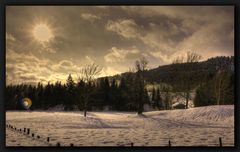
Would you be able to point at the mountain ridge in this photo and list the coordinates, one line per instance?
(160, 73)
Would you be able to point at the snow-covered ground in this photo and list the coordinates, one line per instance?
(192, 127)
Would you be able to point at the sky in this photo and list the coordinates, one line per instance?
(47, 43)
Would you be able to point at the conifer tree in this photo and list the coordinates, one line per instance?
(70, 93)
(159, 102)
(153, 97)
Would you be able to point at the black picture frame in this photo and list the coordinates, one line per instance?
(5, 3)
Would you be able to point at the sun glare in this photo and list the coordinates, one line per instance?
(42, 33)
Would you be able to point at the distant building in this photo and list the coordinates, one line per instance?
(177, 100)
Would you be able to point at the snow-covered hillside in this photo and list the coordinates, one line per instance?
(223, 115)
(192, 127)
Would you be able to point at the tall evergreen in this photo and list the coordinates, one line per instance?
(158, 101)
(124, 95)
(106, 88)
(80, 88)
(154, 98)
(113, 95)
(70, 93)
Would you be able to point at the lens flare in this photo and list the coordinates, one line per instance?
(26, 103)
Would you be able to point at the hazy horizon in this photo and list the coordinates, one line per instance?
(47, 43)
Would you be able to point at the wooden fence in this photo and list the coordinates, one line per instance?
(29, 133)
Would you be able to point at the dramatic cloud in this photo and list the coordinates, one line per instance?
(90, 17)
(113, 37)
(126, 28)
(27, 68)
(108, 71)
(121, 55)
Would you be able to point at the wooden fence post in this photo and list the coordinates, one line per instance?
(220, 141)
(58, 144)
(169, 143)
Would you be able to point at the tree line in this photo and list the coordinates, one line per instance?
(129, 93)
(105, 92)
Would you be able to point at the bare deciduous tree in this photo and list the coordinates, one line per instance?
(88, 74)
(141, 68)
(193, 57)
(141, 64)
(186, 77)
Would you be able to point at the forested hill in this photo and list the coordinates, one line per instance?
(212, 80)
(167, 72)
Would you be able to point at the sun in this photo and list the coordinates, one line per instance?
(42, 32)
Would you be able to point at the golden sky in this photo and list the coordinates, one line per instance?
(46, 43)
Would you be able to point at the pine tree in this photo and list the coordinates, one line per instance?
(159, 103)
(124, 97)
(167, 98)
(80, 94)
(106, 88)
(113, 95)
(47, 96)
(70, 93)
(153, 98)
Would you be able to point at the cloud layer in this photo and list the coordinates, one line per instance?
(111, 36)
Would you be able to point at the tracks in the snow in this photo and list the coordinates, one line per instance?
(151, 122)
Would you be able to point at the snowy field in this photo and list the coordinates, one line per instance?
(192, 127)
